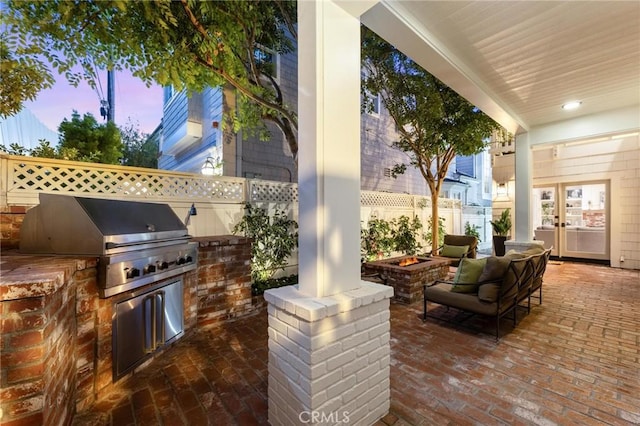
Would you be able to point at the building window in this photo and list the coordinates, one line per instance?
(268, 60)
(486, 174)
(374, 101)
(168, 93)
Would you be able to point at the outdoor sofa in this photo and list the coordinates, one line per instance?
(494, 286)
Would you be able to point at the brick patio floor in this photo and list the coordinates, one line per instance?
(574, 360)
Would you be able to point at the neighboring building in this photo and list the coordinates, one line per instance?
(193, 133)
(26, 130)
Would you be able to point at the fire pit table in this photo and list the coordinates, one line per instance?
(407, 274)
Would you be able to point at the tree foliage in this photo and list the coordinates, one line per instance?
(21, 77)
(188, 44)
(95, 142)
(138, 149)
(434, 123)
(44, 149)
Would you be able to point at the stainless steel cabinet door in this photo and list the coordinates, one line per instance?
(144, 323)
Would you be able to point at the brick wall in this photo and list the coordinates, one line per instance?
(11, 218)
(224, 278)
(37, 329)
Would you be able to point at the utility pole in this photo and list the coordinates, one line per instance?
(111, 96)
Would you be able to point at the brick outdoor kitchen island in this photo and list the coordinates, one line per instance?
(56, 332)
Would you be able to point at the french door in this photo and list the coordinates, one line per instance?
(573, 219)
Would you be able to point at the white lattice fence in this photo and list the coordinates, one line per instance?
(386, 199)
(26, 177)
(272, 192)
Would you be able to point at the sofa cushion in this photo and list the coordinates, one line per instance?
(494, 269)
(514, 254)
(533, 250)
(442, 294)
(467, 275)
(489, 292)
(454, 251)
(510, 284)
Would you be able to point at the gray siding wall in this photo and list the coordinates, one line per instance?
(273, 159)
(204, 108)
(377, 133)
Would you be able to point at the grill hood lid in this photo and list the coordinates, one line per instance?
(63, 224)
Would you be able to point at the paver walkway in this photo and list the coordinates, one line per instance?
(574, 360)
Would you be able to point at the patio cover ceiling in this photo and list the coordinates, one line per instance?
(520, 61)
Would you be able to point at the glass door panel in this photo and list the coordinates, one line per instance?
(545, 217)
(583, 221)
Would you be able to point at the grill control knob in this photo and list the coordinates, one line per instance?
(180, 261)
(133, 272)
(188, 259)
(163, 265)
(149, 269)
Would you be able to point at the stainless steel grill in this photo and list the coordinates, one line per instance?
(137, 243)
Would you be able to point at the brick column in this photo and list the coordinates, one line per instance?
(329, 357)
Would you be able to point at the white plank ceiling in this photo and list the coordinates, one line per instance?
(531, 57)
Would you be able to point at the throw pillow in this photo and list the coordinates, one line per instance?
(454, 251)
(467, 275)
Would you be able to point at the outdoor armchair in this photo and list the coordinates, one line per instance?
(458, 247)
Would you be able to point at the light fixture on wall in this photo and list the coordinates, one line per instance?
(502, 191)
(192, 212)
(571, 105)
(208, 168)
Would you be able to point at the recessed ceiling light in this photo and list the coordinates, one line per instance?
(571, 105)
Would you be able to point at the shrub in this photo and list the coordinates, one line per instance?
(405, 234)
(380, 237)
(472, 230)
(274, 239)
(441, 232)
(259, 287)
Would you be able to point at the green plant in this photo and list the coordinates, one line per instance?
(502, 226)
(274, 238)
(404, 233)
(472, 230)
(441, 231)
(375, 240)
(259, 287)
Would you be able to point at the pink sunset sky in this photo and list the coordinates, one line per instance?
(133, 102)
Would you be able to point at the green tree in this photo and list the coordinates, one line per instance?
(188, 44)
(94, 142)
(139, 149)
(434, 123)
